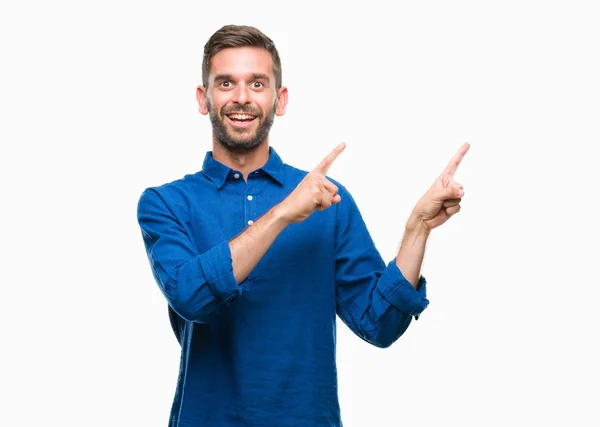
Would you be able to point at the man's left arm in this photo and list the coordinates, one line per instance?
(376, 301)
(373, 299)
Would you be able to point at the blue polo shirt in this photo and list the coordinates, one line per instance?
(262, 352)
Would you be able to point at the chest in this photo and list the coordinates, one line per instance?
(298, 268)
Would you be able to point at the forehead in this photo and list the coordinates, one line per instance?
(242, 61)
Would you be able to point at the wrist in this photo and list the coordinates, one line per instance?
(281, 215)
(417, 226)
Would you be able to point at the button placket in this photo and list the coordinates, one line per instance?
(250, 205)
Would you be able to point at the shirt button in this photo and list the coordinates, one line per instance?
(250, 222)
(249, 197)
(236, 175)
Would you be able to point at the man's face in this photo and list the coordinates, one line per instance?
(241, 98)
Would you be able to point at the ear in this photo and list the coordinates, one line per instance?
(282, 99)
(201, 97)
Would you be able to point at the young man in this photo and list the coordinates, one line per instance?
(256, 258)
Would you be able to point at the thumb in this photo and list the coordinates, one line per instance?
(451, 193)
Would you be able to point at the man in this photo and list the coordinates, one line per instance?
(256, 258)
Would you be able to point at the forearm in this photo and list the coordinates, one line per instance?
(412, 250)
(250, 246)
(373, 298)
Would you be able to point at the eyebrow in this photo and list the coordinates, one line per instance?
(255, 76)
(260, 76)
(221, 77)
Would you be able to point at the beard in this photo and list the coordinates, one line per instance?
(235, 140)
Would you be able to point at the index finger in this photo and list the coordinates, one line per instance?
(453, 165)
(326, 163)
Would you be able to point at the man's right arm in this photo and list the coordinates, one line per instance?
(194, 284)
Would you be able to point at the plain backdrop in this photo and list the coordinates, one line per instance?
(98, 102)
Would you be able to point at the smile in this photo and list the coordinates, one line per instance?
(240, 120)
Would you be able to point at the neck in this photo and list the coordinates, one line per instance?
(243, 160)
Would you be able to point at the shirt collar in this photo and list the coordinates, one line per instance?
(217, 172)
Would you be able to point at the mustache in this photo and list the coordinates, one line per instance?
(241, 109)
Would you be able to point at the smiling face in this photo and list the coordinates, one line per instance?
(241, 97)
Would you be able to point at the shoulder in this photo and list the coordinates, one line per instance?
(177, 192)
(347, 202)
(292, 174)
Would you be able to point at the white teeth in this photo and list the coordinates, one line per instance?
(241, 116)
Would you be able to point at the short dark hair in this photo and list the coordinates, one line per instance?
(239, 36)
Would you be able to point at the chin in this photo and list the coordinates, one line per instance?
(241, 145)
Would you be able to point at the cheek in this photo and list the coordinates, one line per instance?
(217, 101)
(267, 102)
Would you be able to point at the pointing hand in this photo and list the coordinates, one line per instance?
(314, 192)
(443, 198)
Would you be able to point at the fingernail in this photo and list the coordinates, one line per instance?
(461, 193)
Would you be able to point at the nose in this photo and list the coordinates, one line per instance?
(241, 95)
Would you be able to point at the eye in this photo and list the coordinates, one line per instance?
(225, 84)
(258, 85)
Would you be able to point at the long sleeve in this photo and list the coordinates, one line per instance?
(374, 300)
(194, 284)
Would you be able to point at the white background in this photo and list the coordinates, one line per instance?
(97, 103)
